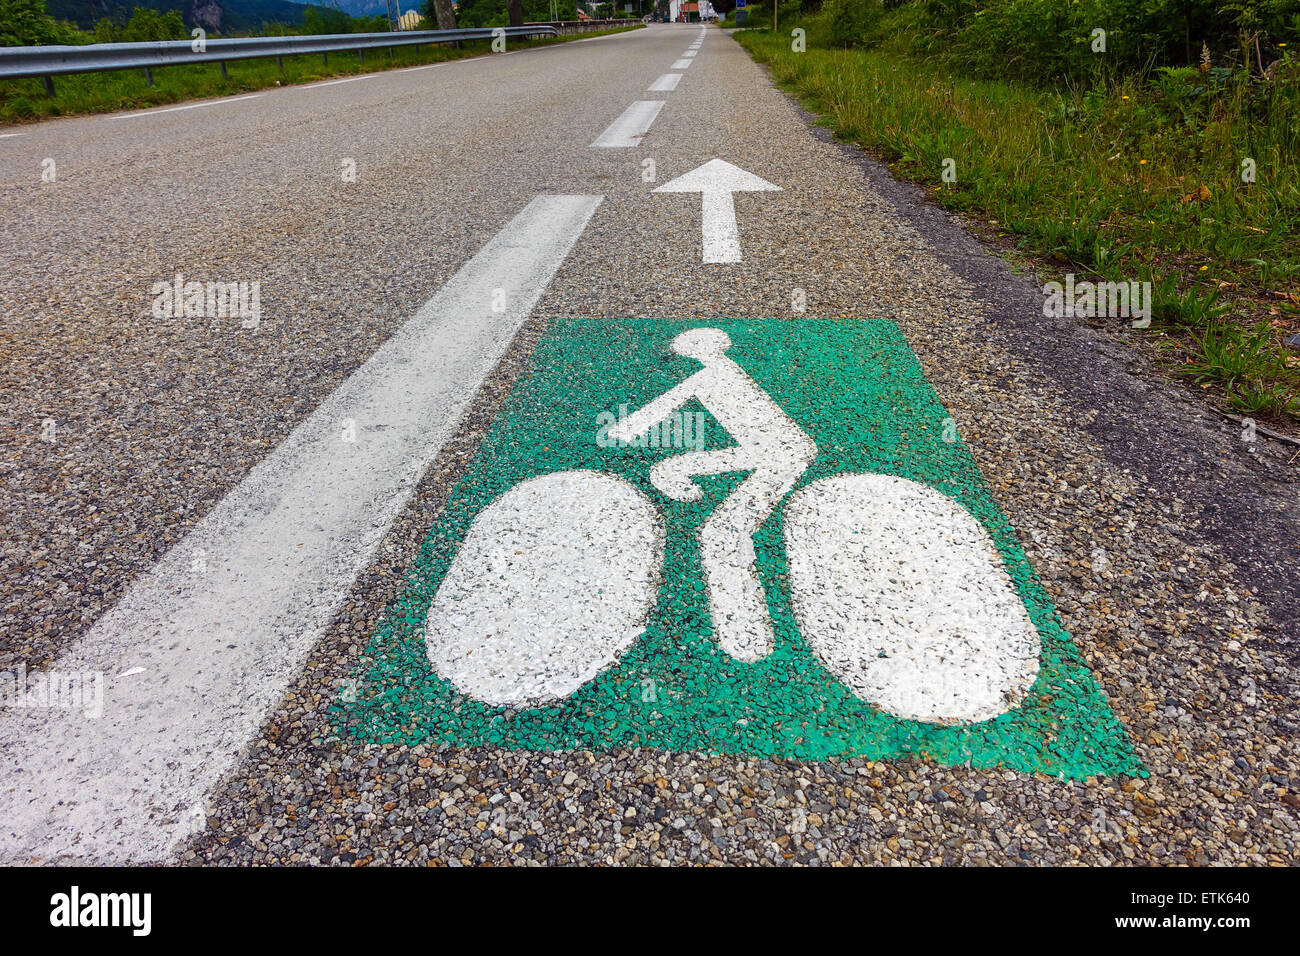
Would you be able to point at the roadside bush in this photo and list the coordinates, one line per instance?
(1049, 41)
(847, 21)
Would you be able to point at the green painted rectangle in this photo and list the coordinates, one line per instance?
(857, 389)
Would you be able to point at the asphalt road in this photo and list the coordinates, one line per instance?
(162, 476)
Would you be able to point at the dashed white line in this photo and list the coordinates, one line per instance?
(191, 106)
(220, 643)
(665, 84)
(681, 64)
(628, 129)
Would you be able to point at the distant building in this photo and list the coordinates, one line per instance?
(410, 20)
(681, 11)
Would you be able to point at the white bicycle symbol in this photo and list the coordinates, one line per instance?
(895, 587)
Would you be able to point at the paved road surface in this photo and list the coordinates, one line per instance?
(239, 529)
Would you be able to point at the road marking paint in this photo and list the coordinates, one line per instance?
(10, 135)
(427, 66)
(592, 543)
(280, 552)
(665, 84)
(349, 79)
(628, 129)
(716, 180)
(948, 639)
(888, 526)
(192, 106)
(689, 54)
(768, 445)
(680, 64)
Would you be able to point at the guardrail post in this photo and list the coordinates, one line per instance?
(361, 57)
(148, 76)
(224, 74)
(49, 86)
(279, 61)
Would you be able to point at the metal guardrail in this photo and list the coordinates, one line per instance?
(49, 61)
(588, 26)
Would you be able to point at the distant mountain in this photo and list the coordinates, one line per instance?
(369, 8)
(221, 16)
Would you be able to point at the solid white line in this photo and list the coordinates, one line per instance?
(192, 106)
(628, 129)
(350, 79)
(8, 135)
(665, 84)
(220, 641)
(681, 64)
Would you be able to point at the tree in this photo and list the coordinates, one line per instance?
(25, 23)
(106, 31)
(442, 12)
(319, 21)
(146, 24)
(516, 10)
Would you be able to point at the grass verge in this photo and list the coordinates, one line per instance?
(1130, 180)
(25, 100)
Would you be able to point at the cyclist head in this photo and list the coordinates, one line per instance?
(701, 344)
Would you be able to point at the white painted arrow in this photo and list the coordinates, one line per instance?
(717, 180)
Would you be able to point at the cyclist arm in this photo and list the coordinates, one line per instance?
(653, 412)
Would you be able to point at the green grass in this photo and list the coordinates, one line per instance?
(1245, 364)
(1129, 180)
(25, 100)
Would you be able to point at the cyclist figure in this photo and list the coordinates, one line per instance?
(768, 444)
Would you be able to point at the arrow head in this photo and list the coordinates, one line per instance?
(718, 176)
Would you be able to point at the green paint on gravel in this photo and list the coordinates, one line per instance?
(856, 388)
